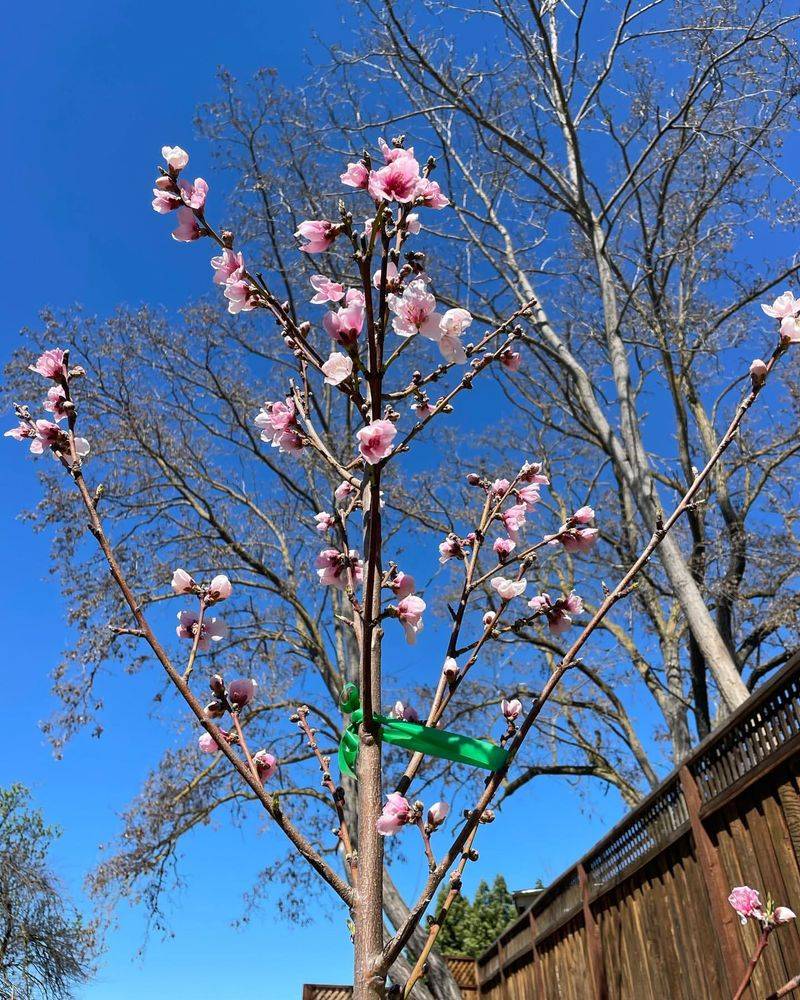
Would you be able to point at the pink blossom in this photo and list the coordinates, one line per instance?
(391, 275)
(508, 589)
(50, 364)
(451, 326)
(194, 195)
(266, 764)
(208, 744)
(165, 201)
(511, 709)
(176, 157)
(429, 194)
(397, 181)
(49, 435)
(337, 368)
(422, 409)
(375, 440)
(241, 295)
(790, 329)
(513, 518)
(226, 265)
(343, 491)
(746, 902)
(22, 432)
(415, 312)
(241, 692)
(212, 630)
(182, 583)
(326, 289)
(783, 915)
(531, 472)
(405, 712)
(583, 515)
(220, 589)
(410, 611)
(319, 235)
(392, 153)
(403, 585)
(325, 521)
(504, 547)
(278, 424)
(450, 548)
(356, 175)
(54, 403)
(188, 228)
(344, 325)
(332, 568)
(511, 359)
(500, 487)
(437, 814)
(396, 813)
(529, 495)
(785, 305)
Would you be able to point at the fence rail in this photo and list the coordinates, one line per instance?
(600, 929)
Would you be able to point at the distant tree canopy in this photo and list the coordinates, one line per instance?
(46, 948)
(471, 927)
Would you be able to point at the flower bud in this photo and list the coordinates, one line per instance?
(208, 744)
(219, 589)
(214, 709)
(488, 816)
(783, 915)
(217, 685)
(437, 814)
(450, 668)
(758, 373)
(266, 764)
(182, 583)
(241, 692)
(511, 709)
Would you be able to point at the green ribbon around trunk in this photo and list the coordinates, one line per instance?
(415, 737)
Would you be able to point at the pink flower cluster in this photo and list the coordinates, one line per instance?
(748, 905)
(220, 588)
(396, 813)
(558, 613)
(278, 424)
(44, 435)
(173, 193)
(229, 270)
(575, 535)
(786, 308)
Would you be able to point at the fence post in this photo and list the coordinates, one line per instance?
(716, 883)
(594, 945)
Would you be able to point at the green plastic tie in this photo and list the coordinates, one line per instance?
(415, 737)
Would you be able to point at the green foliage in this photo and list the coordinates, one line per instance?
(46, 949)
(471, 927)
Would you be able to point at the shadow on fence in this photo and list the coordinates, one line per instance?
(645, 914)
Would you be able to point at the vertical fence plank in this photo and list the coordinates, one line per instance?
(594, 945)
(716, 884)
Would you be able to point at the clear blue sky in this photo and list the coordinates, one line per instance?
(91, 91)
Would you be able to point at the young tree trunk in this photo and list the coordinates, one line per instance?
(369, 901)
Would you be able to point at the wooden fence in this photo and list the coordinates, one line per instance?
(644, 914)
